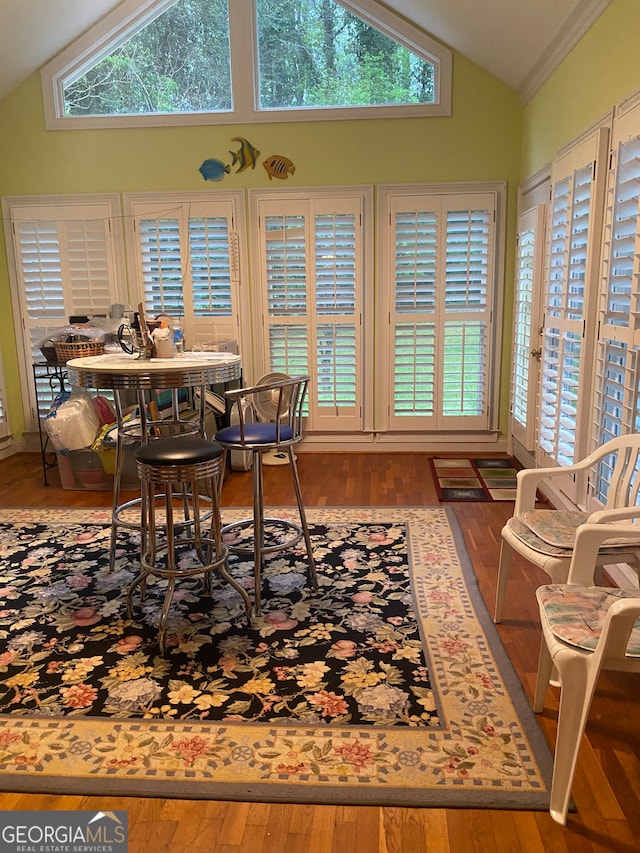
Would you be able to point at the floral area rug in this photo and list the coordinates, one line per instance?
(387, 685)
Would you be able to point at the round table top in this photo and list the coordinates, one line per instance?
(118, 370)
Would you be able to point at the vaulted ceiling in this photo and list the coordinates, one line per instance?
(518, 41)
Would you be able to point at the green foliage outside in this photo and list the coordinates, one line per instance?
(312, 53)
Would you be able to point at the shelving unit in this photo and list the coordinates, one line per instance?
(56, 376)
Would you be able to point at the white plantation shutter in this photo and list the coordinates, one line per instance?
(311, 281)
(188, 263)
(616, 411)
(415, 303)
(161, 263)
(569, 302)
(65, 264)
(337, 332)
(525, 365)
(68, 262)
(466, 314)
(438, 265)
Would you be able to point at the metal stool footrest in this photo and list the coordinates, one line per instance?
(268, 527)
(134, 522)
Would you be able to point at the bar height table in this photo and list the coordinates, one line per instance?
(120, 372)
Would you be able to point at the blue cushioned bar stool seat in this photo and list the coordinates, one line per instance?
(284, 402)
(189, 540)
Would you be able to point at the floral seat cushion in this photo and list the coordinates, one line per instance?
(554, 526)
(558, 527)
(526, 535)
(575, 614)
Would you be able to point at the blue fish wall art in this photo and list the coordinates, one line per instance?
(214, 170)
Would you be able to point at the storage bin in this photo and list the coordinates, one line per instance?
(93, 469)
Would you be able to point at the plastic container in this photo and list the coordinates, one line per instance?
(73, 425)
(90, 470)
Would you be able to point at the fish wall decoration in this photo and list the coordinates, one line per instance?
(246, 156)
(214, 170)
(278, 166)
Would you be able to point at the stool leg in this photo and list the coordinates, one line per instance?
(171, 566)
(197, 527)
(152, 535)
(166, 606)
(303, 518)
(216, 535)
(171, 543)
(185, 507)
(117, 479)
(258, 527)
(197, 537)
(147, 522)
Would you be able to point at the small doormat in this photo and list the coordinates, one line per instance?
(467, 479)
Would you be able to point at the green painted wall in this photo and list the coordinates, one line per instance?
(479, 141)
(602, 70)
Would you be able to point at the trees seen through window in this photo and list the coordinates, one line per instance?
(310, 55)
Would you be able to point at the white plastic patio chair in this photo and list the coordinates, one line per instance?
(546, 537)
(585, 629)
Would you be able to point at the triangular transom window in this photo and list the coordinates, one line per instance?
(221, 61)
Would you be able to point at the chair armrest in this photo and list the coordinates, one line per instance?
(527, 482)
(617, 627)
(604, 516)
(589, 539)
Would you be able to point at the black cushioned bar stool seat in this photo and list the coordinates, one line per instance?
(179, 450)
(180, 466)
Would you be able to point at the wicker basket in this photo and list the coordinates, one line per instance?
(77, 349)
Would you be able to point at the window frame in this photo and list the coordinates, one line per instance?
(309, 199)
(388, 424)
(526, 352)
(117, 26)
(615, 400)
(143, 205)
(568, 439)
(12, 208)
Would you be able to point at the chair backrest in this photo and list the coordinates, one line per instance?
(285, 409)
(622, 456)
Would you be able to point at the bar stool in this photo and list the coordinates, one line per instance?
(283, 400)
(180, 465)
(132, 434)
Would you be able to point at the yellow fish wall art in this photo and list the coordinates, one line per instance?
(278, 166)
(246, 156)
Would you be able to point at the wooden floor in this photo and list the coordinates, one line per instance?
(607, 785)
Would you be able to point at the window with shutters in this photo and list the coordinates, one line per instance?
(310, 272)
(578, 181)
(213, 61)
(526, 354)
(439, 271)
(68, 260)
(187, 262)
(617, 409)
